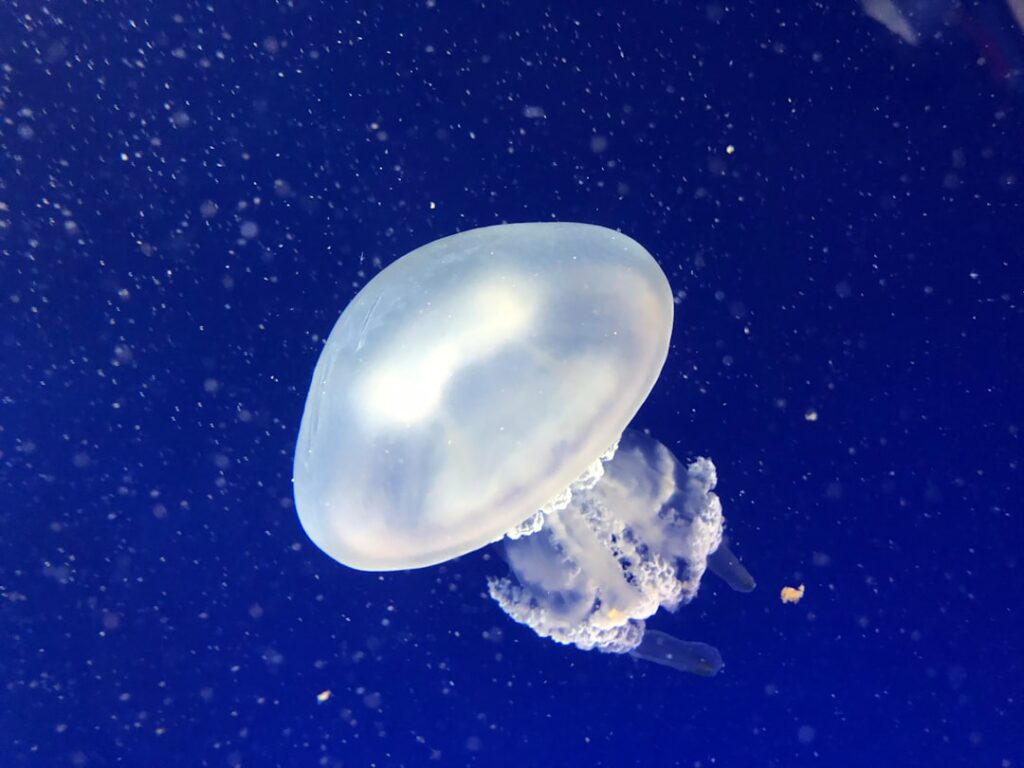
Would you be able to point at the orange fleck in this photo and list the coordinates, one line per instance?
(792, 594)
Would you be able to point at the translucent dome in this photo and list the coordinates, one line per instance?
(470, 383)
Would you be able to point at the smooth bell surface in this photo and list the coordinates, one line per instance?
(471, 381)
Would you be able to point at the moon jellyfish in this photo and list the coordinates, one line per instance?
(477, 391)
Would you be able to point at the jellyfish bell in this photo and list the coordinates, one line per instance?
(470, 392)
(470, 382)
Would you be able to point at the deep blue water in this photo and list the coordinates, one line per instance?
(191, 192)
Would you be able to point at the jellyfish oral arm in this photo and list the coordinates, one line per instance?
(636, 540)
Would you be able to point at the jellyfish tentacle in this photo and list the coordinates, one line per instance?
(686, 656)
(726, 566)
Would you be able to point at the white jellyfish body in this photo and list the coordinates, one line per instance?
(470, 382)
(469, 393)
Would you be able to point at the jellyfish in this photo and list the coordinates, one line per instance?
(478, 391)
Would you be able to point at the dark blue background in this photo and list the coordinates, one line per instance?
(192, 192)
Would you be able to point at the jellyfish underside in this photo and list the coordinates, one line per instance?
(636, 535)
